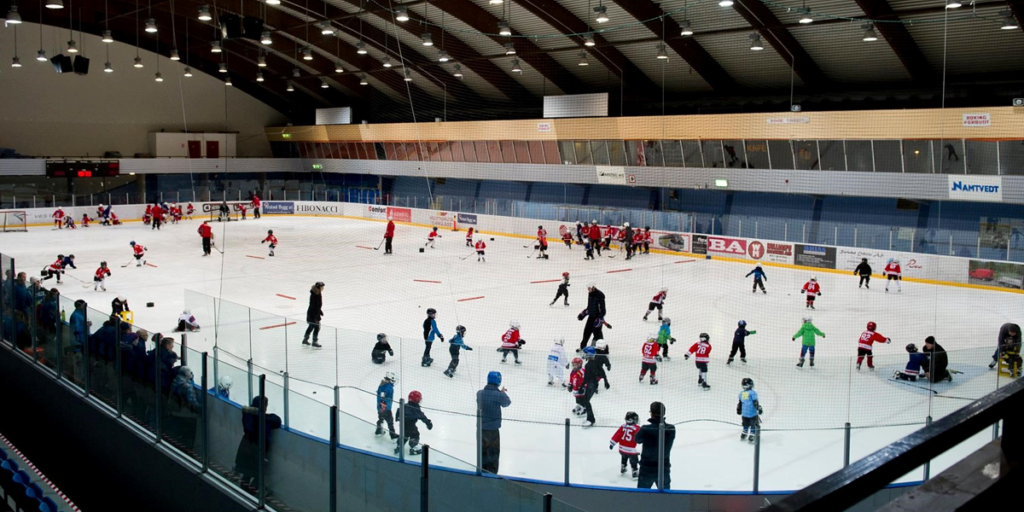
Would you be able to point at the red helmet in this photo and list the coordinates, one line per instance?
(415, 397)
(577, 361)
(565, 274)
(871, 326)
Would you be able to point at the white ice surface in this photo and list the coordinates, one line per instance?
(367, 292)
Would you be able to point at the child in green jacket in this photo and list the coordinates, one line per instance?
(807, 331)
(665, 337)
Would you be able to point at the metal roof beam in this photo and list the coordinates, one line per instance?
(899, 38)
(760, 17)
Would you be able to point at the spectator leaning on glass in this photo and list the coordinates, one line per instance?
(490, 400)
(648, 436)
(247, 457)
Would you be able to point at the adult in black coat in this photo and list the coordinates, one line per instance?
(864, 271)
(649, 438)
(1009, 335)
(595, 311)
(628, 241)
(314, 313)
(937, 361)
(247, 458)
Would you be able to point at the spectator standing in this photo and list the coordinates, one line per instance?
(489, 401)
(247, 456)
(389, 235)
(649, 437)
(595, 310)
(206, 232)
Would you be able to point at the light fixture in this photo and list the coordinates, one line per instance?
(259, 76)
(428, 40)
(174, 54)
(361, 48)
(188, 72)
(273, 2)
(387, 61)
(326, 28)
(662, 53)
(222, 68)
(402, 13)
(515, 66)
(138, 62)
(41, 56)
(362, 80)
(588, 40)
(408, 75)
(107, 68)
(159, 77)
(72, 46)
(338, 68)
(204, 13)
(504, 29)
(16, 62)
(307, 53)
(496, 2)
(227, 83)
(687, 30)
(265, 38)
(805, 15)
(953, 4)
(215, 47)
(151, 26)
(583, 59)
(1009, 22)
(13, 17)
(261, 61)
(725, 3)
(510, 49)
(869, 33)
(323, 84)
(457, 71)
(54, 4)
(296, 73)
(601, 14)
(755, 42)
(290, 88)
(107, 37)
(442, 56)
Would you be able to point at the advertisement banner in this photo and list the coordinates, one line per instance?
(976, 188)
(674, 242)
(817, 256)
(722, 245)
(441, 219)
(467, 218)
(400, 214)
(977, 120)
(375, 212)
(611, 175)
(1004, 275)
(278, 207)
(770, 251)
(847, 258)
(700, 244)
(318, 209)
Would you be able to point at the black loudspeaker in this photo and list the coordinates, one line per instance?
(62, 63)
(253, 27)
(81, 65)
(230, 26)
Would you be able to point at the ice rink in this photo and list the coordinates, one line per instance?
(367, 292)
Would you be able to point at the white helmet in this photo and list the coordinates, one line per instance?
(807, 319)
(391, 377)
(224, 383)
(626, 224)
(601, 345)
(559, 341)
(653, 336)
(593, 221)
(514, 324)
(664, 288)
(591, 285)
(121, 298)
(186, 311)
(814, 278)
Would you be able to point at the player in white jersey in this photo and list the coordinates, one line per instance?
(557, 362)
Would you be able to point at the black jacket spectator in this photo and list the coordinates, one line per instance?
(247, 456)
(648, 437)
(937, 361)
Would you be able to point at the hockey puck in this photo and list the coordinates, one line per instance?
(149, 304)
(421, 249)
(492, 239)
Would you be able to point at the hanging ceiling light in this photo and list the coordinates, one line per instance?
(442, 56)
(662, 53)
(296, 73)
(188, 72)
(259, 76)
(41, 56)
(13, 17)
(687, 30)
(215, 47)
(174, 54)
(227, 83)
(515, 66)
(107, 37)
(290, 88)
(755, 42)
(1009, 22)
(504, 29)
(601, 14)
(204, 13)
(725, 3)
(387, 61)
(428, 40)
(72, 46)
(222, 68)
(408, 75)
(138, 62)
(323, 84)
(457, 71)
(16, 62)
(361, 48)
(107, 68)
(338, 68)
(326, 28)
(953, 4)
(151, 26)
(265, 38)
(261, 61)
(588, 40)
(54, 4)
(496, 2)
(402, 13)
(583, 60)
(510, 49)
(273, 2)
(869, 33)
(159, 77)
(805, 15)
(362, 80)
(307, 53)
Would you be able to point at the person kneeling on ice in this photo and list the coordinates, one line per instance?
(650, 358)
(139, 252)
(456, 344)
(480, 247)
(625, 437)
(429, 332)
(812, 289)
(739, 342)
(385, 399)
(806, 333)
(749, 409)
(510, 342)
(187, 322)
(430, 238)
(100, 277)
(272, 239)
(556, 358)
(409, 415)
(703, 351)
(380, 348)
(915, 365)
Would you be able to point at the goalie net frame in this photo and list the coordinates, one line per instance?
(5, 221)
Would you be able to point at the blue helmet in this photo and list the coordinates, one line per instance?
(743, 323)
(132, 243)
(589, 351)
(494, 378)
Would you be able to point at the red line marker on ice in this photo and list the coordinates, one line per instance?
(426, 281)
(255, 257)
(276, 326)
(285, 296)
(620, 270)
(150, 264)
(471, 298)
(545, 281)
(685, 261)
(364, 247)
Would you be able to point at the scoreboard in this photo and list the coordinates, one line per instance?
(82, 168)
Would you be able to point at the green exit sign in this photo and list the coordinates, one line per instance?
(721, 183)
(318, 166)
(286, 135)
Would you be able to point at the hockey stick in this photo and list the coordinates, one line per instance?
(532, 253)
(214, 247)
(468, 255)
(380, 244)
(126, 264)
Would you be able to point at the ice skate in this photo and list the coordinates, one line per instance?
(415, 451)
(750, 438)
(305, 341)
(729, 361)
(451, 375)
(654, 382)
(566, 304)
(801, 363)
(517, 362)
(858, 367)
(317, 344)
(645, 318)
(743, 436)
(764, 292)
(992, 365)
(872, 368)
(743, 360)
(812, 362)
(588, 424)
(636, 473)
(667, 358)
(622, 469)
(552, 303)
(705, 385)
(641, 378)
(867, 287)
(812, 306)
(378, 432)
(503, 361)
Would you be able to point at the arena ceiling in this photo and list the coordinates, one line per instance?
(640, 55)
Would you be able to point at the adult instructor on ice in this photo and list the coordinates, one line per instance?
(489, 402)
(594, 314)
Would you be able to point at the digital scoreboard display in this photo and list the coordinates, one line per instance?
(82, 168)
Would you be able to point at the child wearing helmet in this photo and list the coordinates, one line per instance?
(649, 352)
(625, 437)
(409, 415)
(866, 343)
(385, 399)
(739, 342)
(665, 337)
(454, 347)
(593, 371)
(657, 302)
(272, 239)
(430, 331)
(563, 290)
(99, 282)
(566, 237)
(915, 365)
(556, 360)
(491, 400)
(382, 347)
(806, 333)
(139, 252)
(893, 272)
(588, 248)
(542, 242)
(749, 409)
(187, 322)
(510, 342)
(702, 350)
(578, 388)
(812, 289)
(759, 278)
(430, 237)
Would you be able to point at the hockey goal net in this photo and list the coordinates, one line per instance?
(13, 220)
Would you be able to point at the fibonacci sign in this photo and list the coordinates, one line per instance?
(976, 188)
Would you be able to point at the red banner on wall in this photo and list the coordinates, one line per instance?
(400, 214)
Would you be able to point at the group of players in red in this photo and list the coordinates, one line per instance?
(156, 215)
(63, 220)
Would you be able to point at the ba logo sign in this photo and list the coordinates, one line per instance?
(727, 245)
(755, 250)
